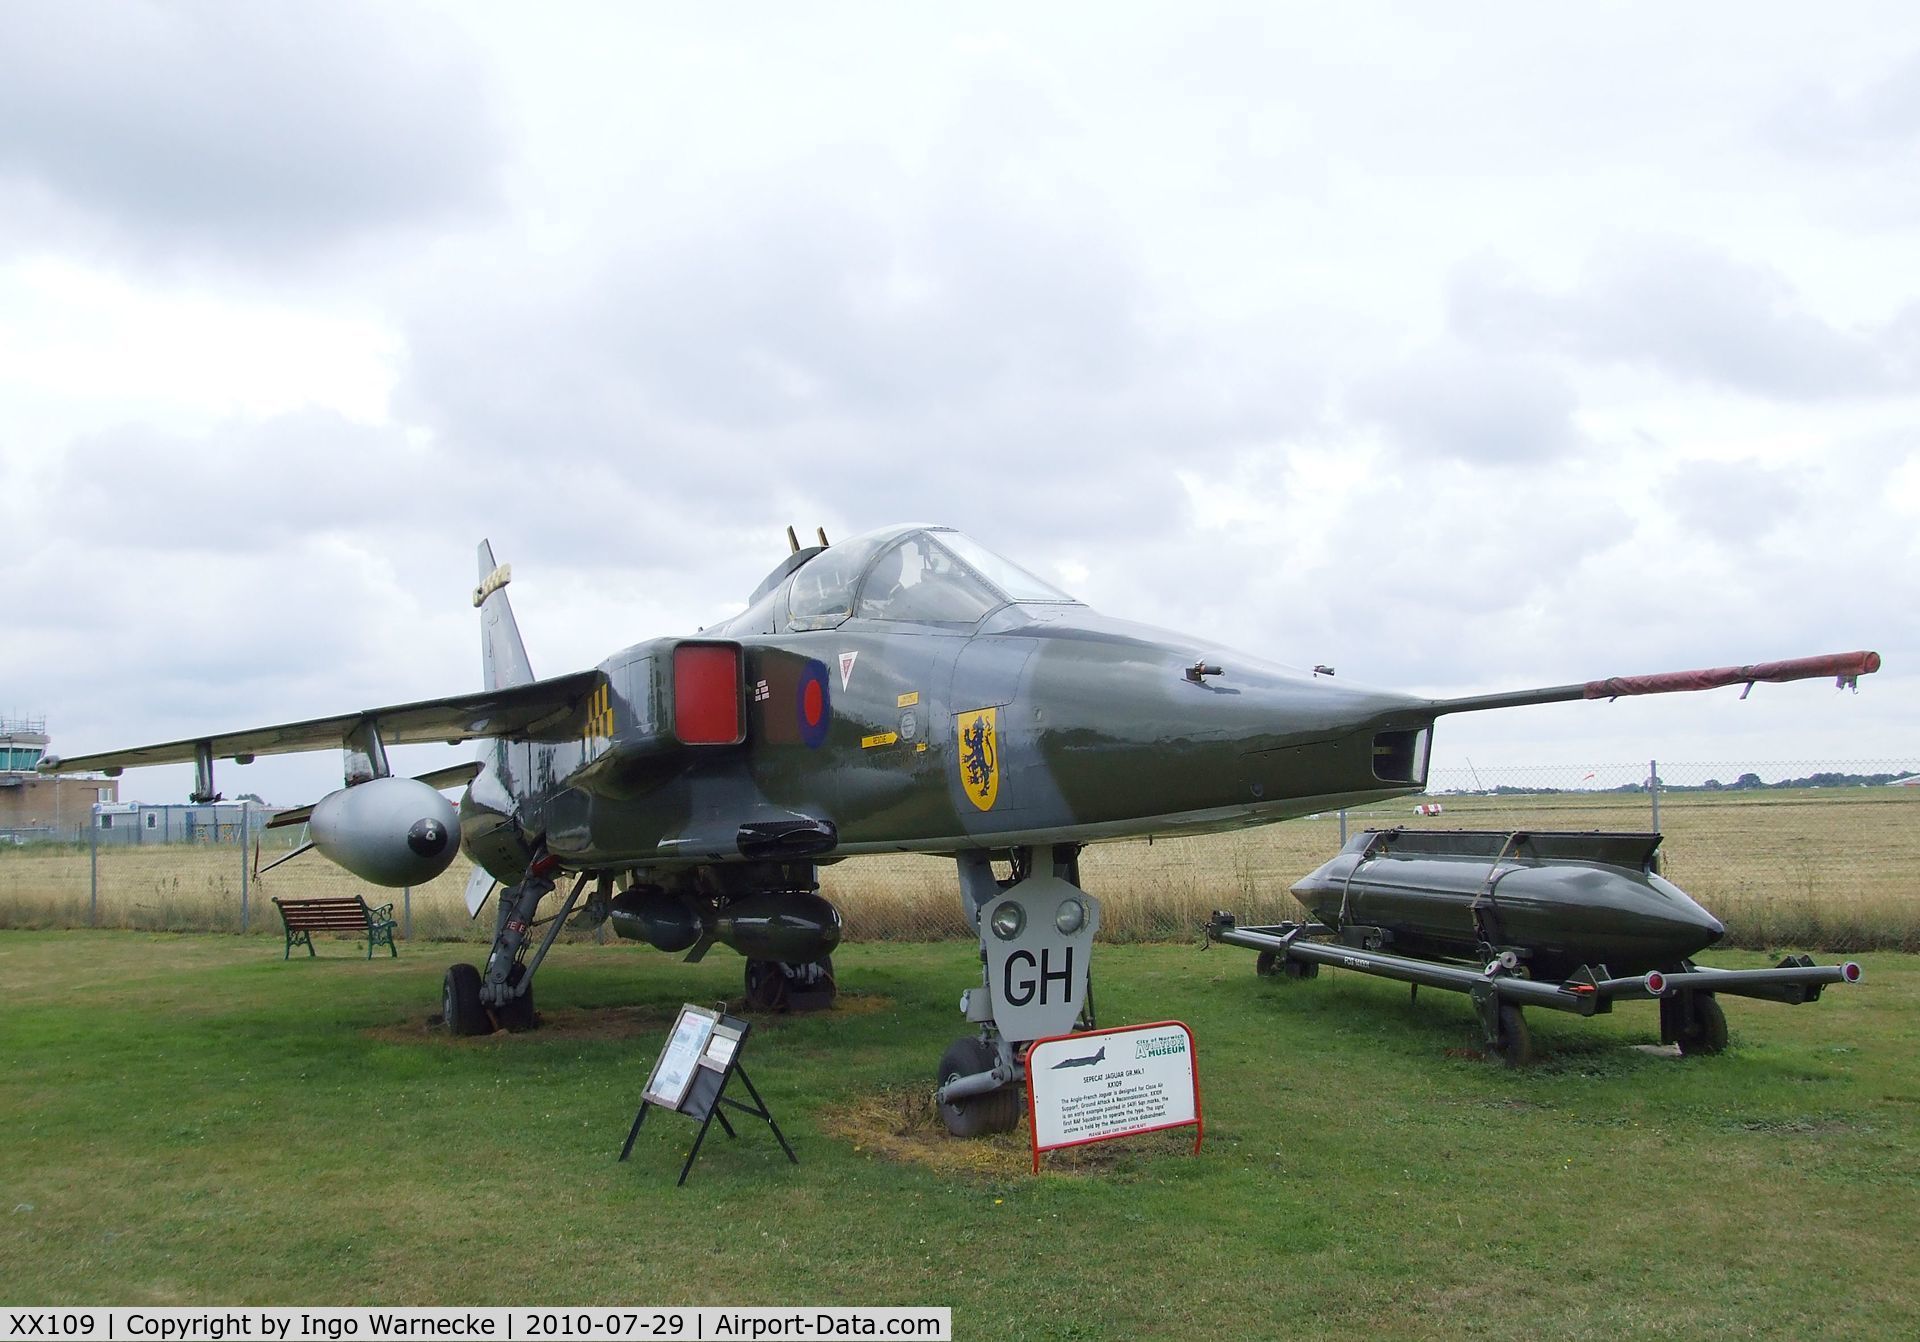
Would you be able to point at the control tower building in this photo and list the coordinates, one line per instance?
(34, 805)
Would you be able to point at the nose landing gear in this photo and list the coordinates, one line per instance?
(1036, 939)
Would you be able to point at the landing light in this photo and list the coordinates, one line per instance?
(1071, 915)
(1008, 921)
(1850, 972)
(1656, 983)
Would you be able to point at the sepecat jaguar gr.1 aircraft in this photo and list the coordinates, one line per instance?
(904, 691)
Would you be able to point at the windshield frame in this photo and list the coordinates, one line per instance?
(876, 544)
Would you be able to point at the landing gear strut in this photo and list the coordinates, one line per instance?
(1036, 938)
(473, 1002)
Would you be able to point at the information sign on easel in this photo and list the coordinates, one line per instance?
(701, 1055)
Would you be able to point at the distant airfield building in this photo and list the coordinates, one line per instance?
(180, 822)
(33, 805)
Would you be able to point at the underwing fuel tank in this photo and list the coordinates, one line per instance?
(390, 831)
(793, 925)
(1561, 900)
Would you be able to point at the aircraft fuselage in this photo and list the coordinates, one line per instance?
(1047, 723)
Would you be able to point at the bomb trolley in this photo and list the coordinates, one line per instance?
(1689, 1014)
(1519, 918)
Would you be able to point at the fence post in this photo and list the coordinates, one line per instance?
(406, 912)
(1653, 789)
(1343, 827)
(93, 869)
(246, 874)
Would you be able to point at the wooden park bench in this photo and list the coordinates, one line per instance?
(304, 917)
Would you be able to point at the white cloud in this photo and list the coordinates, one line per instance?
(90, 346)
(242, 132)
(1462, 350)
(1689, 312)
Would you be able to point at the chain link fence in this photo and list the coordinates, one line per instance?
(1818, 856)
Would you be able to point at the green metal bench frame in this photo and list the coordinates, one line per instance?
(303, 917)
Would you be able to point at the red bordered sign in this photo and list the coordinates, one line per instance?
(1093, 1087)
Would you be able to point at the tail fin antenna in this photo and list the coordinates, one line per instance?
(503, 657)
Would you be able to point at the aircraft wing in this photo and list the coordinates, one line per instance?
(1845, 667)
(542, 710)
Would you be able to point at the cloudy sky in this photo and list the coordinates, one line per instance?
(1462, 348)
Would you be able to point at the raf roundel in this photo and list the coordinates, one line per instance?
(814, 705)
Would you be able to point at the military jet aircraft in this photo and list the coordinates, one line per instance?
(903, 691)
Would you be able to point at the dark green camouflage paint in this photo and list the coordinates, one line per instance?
(1100, 734)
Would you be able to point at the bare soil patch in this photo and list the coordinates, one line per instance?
(904, 1125)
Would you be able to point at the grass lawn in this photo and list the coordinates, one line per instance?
(189, 1120)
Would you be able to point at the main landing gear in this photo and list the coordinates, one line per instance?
(1036, 938)
(781, 985)
(475, 1003)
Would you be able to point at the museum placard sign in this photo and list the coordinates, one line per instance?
(673, 1071)
(1102, 1084)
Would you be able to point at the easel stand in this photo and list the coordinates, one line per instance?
(701, 1056)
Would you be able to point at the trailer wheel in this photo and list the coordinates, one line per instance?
(1708, 1031)
(1514, 1047)
(1270, 963)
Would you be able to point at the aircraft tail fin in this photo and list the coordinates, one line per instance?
(503, 657)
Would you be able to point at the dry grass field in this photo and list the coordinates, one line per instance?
(1827, 869)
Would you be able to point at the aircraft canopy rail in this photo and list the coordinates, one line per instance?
(922, 574)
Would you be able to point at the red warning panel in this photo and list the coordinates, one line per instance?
(706, 694)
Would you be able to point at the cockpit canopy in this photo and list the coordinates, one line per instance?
(927, 575)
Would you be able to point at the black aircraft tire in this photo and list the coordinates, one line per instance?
(515, 1015)
(1709, 1033)
(460, 1007)
(1515, 1045)
(976, 1115)
(766, 986)
(826, 983)
(1267, 964)
(1300, 969)
(770, 989)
